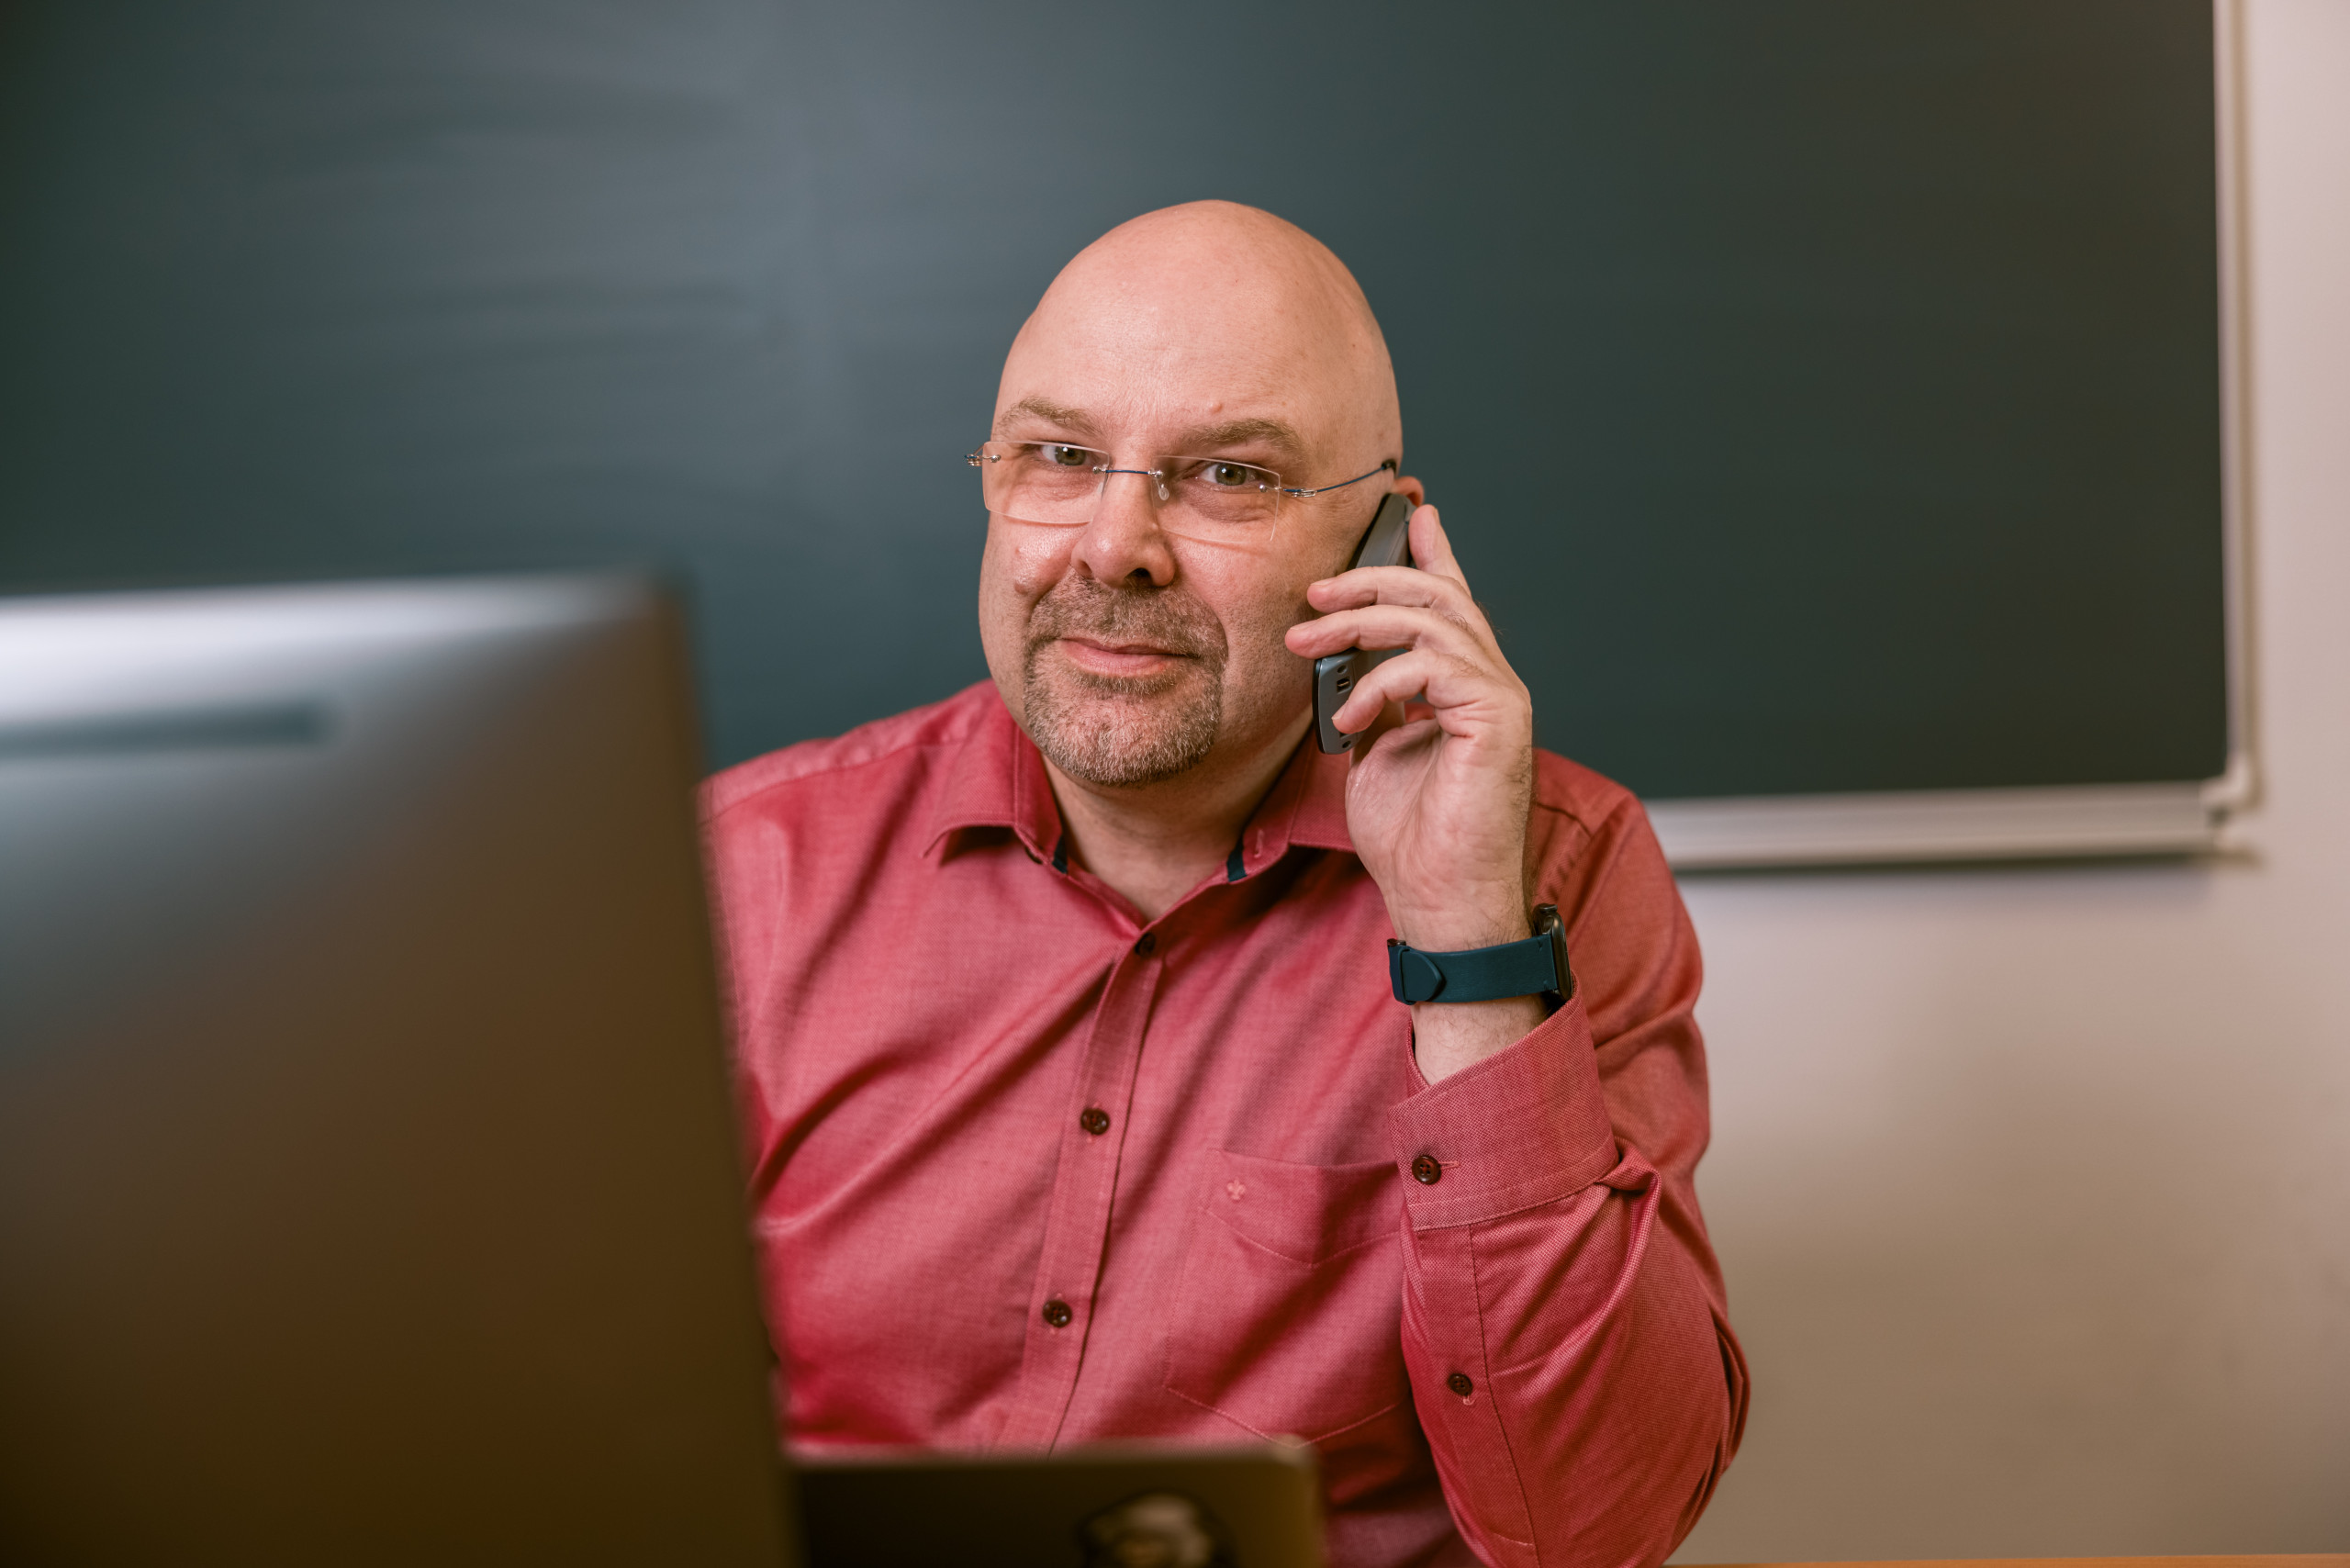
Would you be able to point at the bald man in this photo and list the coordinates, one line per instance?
(1084, 1099)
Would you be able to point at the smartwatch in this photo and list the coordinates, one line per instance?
(1536, 967)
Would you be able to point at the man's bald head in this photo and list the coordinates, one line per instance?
(1213, 297)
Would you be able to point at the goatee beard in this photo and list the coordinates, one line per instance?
(1122, 730)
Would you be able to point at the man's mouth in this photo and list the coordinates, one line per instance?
(1117, 656)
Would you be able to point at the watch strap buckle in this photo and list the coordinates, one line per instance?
(1534, 967)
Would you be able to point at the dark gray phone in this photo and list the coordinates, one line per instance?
(1386, 543)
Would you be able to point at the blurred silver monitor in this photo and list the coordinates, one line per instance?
(368, 1190)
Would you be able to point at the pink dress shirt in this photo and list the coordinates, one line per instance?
(1028, 1171)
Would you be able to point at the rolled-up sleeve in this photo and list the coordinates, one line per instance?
(1565, 1322)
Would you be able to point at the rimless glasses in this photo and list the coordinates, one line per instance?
(1211, 499)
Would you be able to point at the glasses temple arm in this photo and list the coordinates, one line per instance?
(1389, 466)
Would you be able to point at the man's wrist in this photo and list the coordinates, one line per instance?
(1459, 929)
(1450, 1035)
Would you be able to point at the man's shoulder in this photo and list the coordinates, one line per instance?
(1590, 799)
(1587, 829)
(908, 743)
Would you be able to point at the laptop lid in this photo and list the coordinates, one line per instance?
(1110, 1505)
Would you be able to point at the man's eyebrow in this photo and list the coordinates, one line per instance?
(1208, 440)
(1203, 441)
(1051, 413)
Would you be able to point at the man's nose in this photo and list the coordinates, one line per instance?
(1124, 540)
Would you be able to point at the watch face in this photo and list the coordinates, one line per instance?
(1548, 923)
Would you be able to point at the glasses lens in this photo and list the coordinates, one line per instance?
(1054, 483)
(1041, 481)
(1216, 498)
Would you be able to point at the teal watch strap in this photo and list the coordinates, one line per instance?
(1534, 967)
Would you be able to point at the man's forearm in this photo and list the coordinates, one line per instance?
(1561, 1318)
(1601, 1403)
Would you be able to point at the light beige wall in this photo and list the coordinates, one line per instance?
(2033, 1186)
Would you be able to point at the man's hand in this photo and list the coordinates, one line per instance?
(1437, 800)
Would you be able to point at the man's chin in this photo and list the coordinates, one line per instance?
(1122, 730)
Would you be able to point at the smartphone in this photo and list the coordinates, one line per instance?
(1386, 543)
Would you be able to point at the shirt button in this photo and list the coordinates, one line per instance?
(1095, 1119)
(1459, 1382)
(1148, 945)
(1426, 1172)
(1058, 1314)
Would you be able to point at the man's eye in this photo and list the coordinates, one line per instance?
(1066, 456)
(1229, 476)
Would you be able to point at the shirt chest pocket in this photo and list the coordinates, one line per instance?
(1288, 1316)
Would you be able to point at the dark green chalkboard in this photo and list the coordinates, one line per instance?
(1824, 393)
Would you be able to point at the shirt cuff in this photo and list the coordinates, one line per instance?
(1527, 1125)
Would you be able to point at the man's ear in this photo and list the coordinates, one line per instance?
(1407, 486)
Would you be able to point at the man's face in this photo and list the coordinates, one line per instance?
(1133, 655)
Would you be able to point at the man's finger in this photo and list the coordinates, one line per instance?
(1389, 585)
(1376, 626)
(1432, 547)
(1367, 586)
(1390, 716)
(1460, 694)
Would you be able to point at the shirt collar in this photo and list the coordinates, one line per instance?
(998, 780)
(1306, 808)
